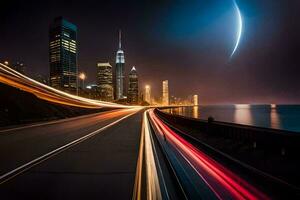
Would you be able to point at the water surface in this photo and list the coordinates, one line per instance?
(286, 117)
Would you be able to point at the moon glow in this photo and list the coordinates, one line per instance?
(240, 27)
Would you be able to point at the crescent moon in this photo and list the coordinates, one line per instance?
(240, 27)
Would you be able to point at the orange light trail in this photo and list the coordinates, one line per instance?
(15, 79)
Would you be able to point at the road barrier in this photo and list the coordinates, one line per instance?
(284, 142)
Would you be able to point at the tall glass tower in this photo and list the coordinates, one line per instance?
(105, 81)
(133, 87)
(63, 55)
(119, 73)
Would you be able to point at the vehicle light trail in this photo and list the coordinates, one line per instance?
(152, 180)
(224, 183)
(15, 79)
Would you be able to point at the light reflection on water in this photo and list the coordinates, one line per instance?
(242, 115)
(195, 112)
(275, 120)
(285, 117)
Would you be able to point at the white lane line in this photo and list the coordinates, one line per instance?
(13, 173)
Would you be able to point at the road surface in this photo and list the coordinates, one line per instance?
(119, 154)
(100, 164)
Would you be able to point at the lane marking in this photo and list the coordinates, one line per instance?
(13, 173)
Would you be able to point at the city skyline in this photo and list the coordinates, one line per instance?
(206, 66)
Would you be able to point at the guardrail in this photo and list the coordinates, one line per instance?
(274, 186)
(273, 139)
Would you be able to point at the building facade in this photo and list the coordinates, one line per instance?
(120, 72)
(165, 93)
(63, 55)
(133, 87)
(105, 81)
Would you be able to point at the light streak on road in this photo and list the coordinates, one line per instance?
(137, 193)
(224, 183)
(152, 180)
(153, 189)
(13, 78)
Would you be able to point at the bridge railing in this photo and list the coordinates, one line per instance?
(271, 139)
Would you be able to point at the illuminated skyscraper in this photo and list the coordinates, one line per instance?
(165, 95)
(119, 74)
(148, 94)
(105, 81)
(195, 100)
(63, 55)
(133, 87)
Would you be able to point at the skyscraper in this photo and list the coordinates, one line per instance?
(63, 55)
(105, 81)
(119, 74)
(133, 87)
(165, 95)
(195, 100)
(148, 94)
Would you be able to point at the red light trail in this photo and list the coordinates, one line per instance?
(223, 182)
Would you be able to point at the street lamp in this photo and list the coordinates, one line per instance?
(82, 76)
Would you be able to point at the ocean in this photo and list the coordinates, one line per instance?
(284, 117)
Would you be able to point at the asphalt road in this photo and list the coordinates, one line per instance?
(100, 166)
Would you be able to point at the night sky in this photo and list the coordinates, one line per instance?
(187, 43)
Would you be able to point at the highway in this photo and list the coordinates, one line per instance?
(118, 154)
(124, 153)
(99, 164)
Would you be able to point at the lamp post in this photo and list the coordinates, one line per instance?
(82, 77)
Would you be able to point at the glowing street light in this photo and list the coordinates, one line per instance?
(82, 77)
